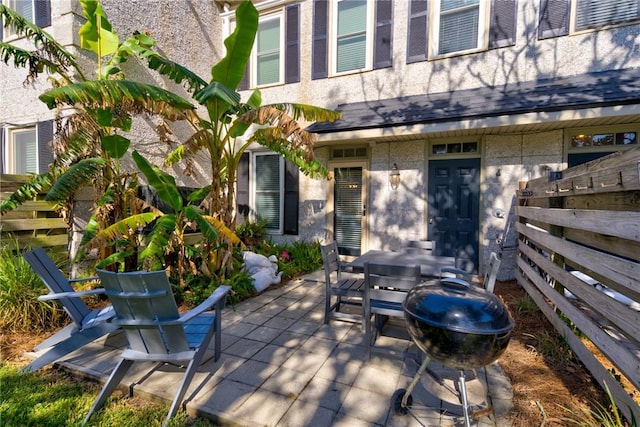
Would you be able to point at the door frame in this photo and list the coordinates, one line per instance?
(364, 164)
(478, 154)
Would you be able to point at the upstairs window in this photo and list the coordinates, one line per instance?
(598, 13)
(268, 58)
(439, 28)
(459, 26)
(276, 53)
(562, 17)
(350, 36)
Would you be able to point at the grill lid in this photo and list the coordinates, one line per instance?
(455, 306)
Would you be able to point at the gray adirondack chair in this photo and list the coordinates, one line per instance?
(156, 332)
(87, 326)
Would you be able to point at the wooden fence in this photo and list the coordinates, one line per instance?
(579, 260)
(34, 223)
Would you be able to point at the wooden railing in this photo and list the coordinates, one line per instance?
(35, 223)
(579, 260)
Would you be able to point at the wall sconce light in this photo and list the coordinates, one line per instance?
(394, 177)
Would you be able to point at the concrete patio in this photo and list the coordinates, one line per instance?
(281, 366)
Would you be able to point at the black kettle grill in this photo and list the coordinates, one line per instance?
(460, 326)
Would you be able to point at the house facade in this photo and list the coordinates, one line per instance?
(446, 104)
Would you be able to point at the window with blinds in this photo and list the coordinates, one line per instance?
(268, 189)
(459, 27)
(268, 51)
(34, 11)
(23, 147)
(351, 35)
(597, 13)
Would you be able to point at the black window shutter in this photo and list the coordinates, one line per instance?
(242, 186)
(503, 23)
(291, 179)
(2, 148)
(383, 33)
(292, 48)
(417, 32)
(45, 136)
(554, 18)
(43, 13)
(320, 47)
(244, 83)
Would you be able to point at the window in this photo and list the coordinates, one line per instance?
(23, 151)
(276, 54)
(35, 11)
(597, 13)
(459, 26)
(591, 143)
(268, 60)
(350, 36)
(557, 17)
(441, 28)
(455, 147)
(267, 188)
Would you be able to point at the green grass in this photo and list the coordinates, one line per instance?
(54, 398)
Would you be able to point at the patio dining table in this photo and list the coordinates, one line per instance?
(430, 265)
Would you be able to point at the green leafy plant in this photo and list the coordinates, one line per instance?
(20, 288)
(252, 232)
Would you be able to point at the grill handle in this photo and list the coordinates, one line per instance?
(455, 285)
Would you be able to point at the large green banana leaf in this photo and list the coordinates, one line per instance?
(164, 184)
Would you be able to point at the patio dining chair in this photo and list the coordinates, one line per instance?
(385, 290)
(87, 325)
(340, 290)
(428, 246)
(464, 277)
(156, 332)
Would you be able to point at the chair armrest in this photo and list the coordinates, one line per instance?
(61, 295)
(217, 298)
(84, 279)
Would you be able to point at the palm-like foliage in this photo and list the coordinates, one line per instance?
(91, 142)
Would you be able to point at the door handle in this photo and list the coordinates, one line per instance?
(431, 220)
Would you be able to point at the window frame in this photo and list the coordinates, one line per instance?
(10, 151)
(253, 194)
(482, 37)
(333, 38)
(279, 15)
(573, 17)
(600, 130)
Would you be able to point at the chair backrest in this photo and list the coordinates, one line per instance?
(428, 246)
(147, 311)
(386, 286)
(55, 281)
(491, 272)
(331, 262)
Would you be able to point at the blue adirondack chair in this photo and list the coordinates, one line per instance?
(88, 325)
(156, 331)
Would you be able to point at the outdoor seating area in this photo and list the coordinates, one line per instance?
(280, 364)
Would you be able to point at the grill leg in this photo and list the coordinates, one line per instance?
(464, 399)
(416, 378)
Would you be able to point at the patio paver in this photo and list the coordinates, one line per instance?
(281, 366)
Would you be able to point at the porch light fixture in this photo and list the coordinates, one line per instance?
(394, 177)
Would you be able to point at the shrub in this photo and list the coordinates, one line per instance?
(20, 287)
(252, 232)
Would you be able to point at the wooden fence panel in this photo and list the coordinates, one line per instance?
(579, 260)
(35, 223)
